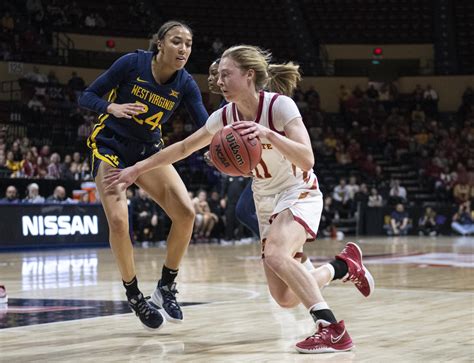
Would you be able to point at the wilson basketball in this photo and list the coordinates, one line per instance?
(233, 154)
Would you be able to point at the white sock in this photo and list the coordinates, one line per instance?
(331, 271)
(319, 306)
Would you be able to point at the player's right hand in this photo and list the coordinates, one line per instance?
(125, 110)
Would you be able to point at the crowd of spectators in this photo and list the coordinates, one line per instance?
(375, 127)
(27, 26)
(378, 127)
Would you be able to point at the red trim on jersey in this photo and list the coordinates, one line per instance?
(260, 106)
(224, 116)
(259, 111)
(270, 115)
(234, 113)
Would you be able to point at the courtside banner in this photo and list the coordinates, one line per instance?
(50, 225)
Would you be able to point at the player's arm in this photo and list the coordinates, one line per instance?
(177, 151)
(92, 99)
(296, 146)
(193, 101)
(167, 156)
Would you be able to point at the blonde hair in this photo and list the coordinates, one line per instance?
(280, 78)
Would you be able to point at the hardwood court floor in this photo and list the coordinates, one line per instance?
(422, 308)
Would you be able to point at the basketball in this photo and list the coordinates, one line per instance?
(233, 154)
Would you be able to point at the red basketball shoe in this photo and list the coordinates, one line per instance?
(329, 338)
(357, 272)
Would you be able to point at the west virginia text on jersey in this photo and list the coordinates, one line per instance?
(130, 80)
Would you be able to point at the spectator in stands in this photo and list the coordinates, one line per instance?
(7, 22)
(28, 165)
(4, 170)
(341, 196)
(41, 168)
(368, 166)
(355, 150)
(461, 190)
(45, 153)
(58, 196)
(64, 167)
(375, 199)
(427, 225)
(33, 195)
(430, 101)
(360, 199)
(13, 165)
(398, 193)
(418, 117)
(372, 94)
(379, 178)
(17, 155)
(444, 184)
(430, 93)
(37, 77)
(5, 51)
(145, 216)
(399, 222)
(328, 217)
(55, 14)
(385, 98)
(353, 187)
(86, 170)
(463, 222)
(54, 167)
(343, 158)
(216, 205)
(89, 21)
(11, 196)
(77, 84)
(205, 219)
(36, 105)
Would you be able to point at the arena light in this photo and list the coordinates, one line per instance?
(377, 51)
(110, 44)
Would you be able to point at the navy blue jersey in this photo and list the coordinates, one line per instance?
(130, 80)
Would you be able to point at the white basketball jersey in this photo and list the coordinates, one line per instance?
(274, 173)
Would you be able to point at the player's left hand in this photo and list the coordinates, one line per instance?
(251, 129)
(121, 177)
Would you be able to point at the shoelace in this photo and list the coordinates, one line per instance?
(169, 294)
(143, 308)
(319, 333)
